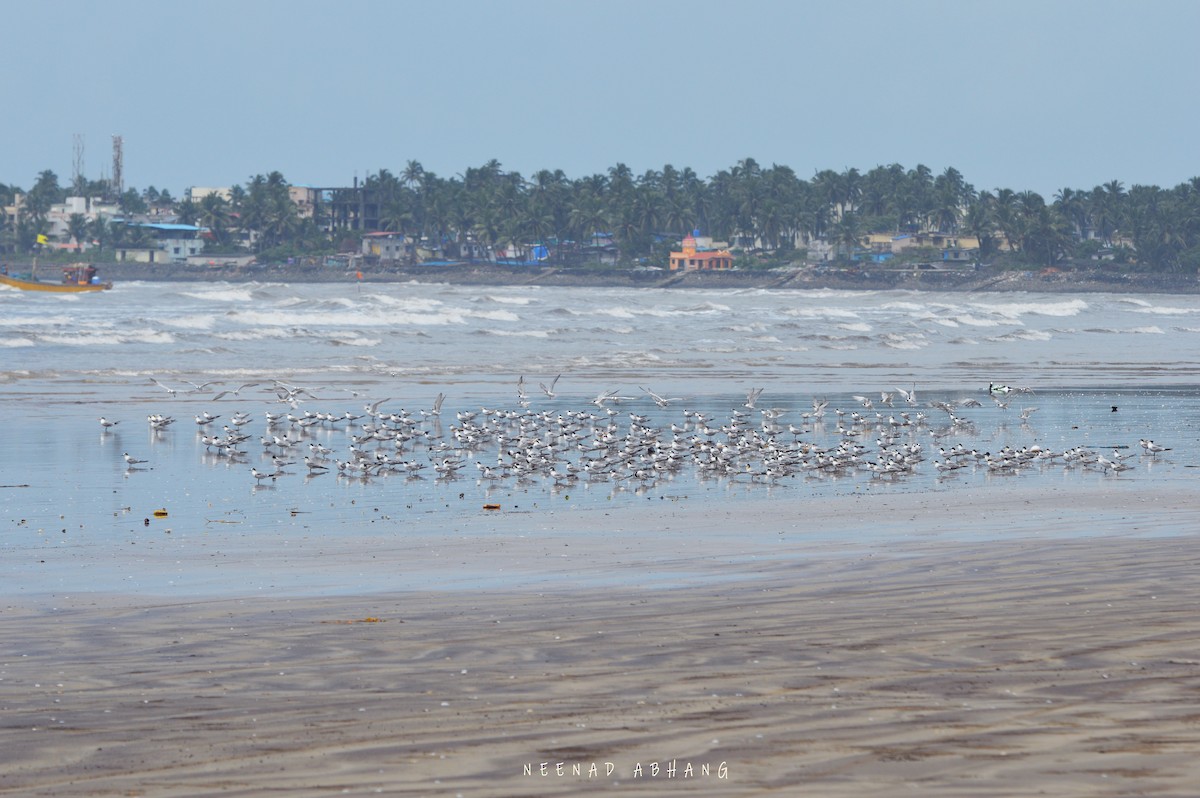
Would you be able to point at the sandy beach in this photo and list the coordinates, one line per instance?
(1037, 663)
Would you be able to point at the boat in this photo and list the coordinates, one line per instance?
(75, 279)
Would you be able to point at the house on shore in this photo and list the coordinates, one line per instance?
(700, 254)
(388, 246)
(170, 243)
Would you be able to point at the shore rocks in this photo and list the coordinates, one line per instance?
(1077, 280)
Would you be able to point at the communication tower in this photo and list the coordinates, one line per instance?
(77, 164)
(117, 184)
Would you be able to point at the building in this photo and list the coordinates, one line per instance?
(934, 241)
(171, 243)
(820, 251)
(387, 246)
(305, 198)
(197, 193)
(90, 208)
(698, 255)
(878, 242)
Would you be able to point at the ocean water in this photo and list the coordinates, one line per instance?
(73, 510)
(401, 336)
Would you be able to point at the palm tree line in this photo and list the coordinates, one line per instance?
(755, 208)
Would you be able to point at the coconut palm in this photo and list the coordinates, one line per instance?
(188, 212)
(979, 221)
(214, 214)
(1070, 203)
(587, 218)
(99, 232)
(413, 174)
(77, 228)
(848, 234)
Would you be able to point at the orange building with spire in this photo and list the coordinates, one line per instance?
(698, 254)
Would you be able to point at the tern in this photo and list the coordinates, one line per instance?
(550, 394)
(106, 424)
(260, 476)
(1153, 448)
(315, 467)
(910, 397)
(437, 406)
(131, 460)
(235, 392)
(167, 388)
(609, 396)
(659, 400)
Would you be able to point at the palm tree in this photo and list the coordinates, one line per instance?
(587, 218)
(487, 229)
(1006, 213)
(1104, 211)
(268, 210)
(535, 226)
(647, 208)
(213, 213)
(118, 232)
(1046, 234)
(979, 222)
(398, 215)
(676, 215)
(77, 227)
(945, 211)
(188, 212)
(849, 233)
(99, 232)
(413, 174)
(1070, 204)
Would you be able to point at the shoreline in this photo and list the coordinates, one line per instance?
(806, 278)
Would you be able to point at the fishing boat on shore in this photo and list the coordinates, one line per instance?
(75, 279)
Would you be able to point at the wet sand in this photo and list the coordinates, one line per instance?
(1026, 662)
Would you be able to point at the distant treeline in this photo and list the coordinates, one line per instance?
(757, 209)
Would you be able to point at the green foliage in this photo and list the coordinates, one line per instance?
(1087, 250)
(131, 202)
(755, 208)
(1189, 260)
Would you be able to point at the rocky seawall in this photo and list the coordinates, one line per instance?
(1074, 280)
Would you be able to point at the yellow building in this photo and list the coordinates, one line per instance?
(693, 259)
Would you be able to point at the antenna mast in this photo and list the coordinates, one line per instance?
(77, 166)
(117, 183)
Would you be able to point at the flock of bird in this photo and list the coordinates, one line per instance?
(891, 437)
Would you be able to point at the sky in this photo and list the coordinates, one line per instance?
(1024, 94)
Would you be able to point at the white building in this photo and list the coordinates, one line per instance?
(197, 193)
(89, 208)
(173, 243)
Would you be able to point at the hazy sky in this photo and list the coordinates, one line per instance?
(1036, 95)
